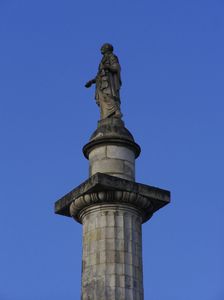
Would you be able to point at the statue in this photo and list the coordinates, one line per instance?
(108, 83)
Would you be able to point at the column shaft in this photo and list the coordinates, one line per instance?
(112, 252)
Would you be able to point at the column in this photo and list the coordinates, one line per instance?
(112, 253)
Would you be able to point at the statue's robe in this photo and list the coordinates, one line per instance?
(108, 85)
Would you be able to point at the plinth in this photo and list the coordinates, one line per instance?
(112, 207)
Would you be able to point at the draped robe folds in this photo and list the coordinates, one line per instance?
(107, 93)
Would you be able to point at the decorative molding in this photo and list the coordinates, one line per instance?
(112, 196)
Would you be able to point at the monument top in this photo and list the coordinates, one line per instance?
(108, 83)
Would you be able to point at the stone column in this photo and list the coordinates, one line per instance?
(112, 253)
(112, 208)
(112, 247)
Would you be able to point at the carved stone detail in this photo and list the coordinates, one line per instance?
(111, 196)
(108, 83)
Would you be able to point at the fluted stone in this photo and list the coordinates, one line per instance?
(112, 253)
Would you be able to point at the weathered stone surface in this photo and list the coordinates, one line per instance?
(133, 200)
(129, 169)
(104, 184)
(111, 132)
(121, 153)
(98, 154)
(112, 160)
(112, 127)
(108, 166)
(111, 271)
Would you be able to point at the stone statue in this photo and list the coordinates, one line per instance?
(108, 83)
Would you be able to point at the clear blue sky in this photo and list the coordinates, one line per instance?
(172, 59)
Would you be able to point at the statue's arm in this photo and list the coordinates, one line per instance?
(89, 83)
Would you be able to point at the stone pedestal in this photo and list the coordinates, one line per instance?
(112, 208)
(112, 150)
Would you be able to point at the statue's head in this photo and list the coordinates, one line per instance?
(107, 48)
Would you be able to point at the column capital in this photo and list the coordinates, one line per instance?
(102, 188)
(135, 201)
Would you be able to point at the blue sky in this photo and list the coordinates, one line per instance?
(171, 54)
